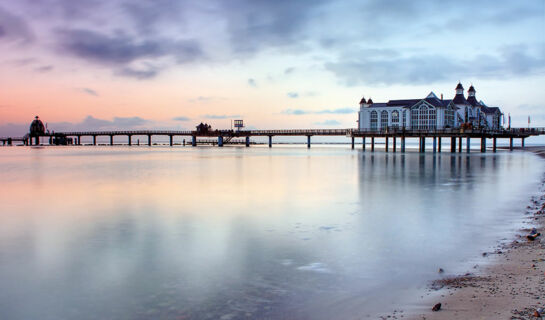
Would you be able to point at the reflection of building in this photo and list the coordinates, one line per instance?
(429, 113)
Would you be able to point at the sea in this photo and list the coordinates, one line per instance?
(119, 232)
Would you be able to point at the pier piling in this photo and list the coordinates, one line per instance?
(439, 144)
(220, 141)
(511, 144)
(111, 140)
(194, 141)
(247, 141)
(353, 143)
(460, 144)
(308, 141)
(468, 144)
(483, 144)
(270, 141)
(452, 144)
(394, 144)
(494, 144)
(522, 142)
(363, 143)
(130, 139)
(94, 140)
(171, 137)
(386, 139)
(403, 144)
(372, 144)
(434, 144)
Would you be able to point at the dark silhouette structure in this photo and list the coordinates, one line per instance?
(37, 129)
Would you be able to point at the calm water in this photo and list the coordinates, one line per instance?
(240, 233)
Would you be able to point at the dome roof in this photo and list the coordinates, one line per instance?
(37, 127)
(471, 89)
(459, 86)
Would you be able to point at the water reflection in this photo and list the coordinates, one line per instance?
(239, 233)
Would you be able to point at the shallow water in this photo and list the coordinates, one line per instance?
(238, 233)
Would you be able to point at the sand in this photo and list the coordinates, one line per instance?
(511, 287)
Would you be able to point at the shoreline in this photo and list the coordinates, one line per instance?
(511, 286)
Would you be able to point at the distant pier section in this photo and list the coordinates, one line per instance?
(394, 139)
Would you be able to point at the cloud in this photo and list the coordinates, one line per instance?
(293, 95)
(328, 123)
(44, 69)
(299, 112)
(428, 68)
(120, 50)
(181, 118)
(89, 91)
(14, 28)
(252, 83)
(222, 116)
(204, 99)
(147, 72)
(289, 70)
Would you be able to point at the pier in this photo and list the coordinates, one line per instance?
(394, 138)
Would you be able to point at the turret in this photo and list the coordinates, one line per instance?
(459, 97)
(364, 104)
(471, 91)
(471, 98)
(369, 102)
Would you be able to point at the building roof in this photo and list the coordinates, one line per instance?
(459, 86)
(473, 101)
(471, 89)
(362, 101)
(407, 103)
(459, 99)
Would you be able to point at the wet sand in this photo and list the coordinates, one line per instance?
(511, 287)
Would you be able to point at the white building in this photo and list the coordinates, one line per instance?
(429, 113)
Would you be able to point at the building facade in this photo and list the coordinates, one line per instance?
(429, 113)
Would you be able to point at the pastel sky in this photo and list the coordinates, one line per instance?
(100, 64)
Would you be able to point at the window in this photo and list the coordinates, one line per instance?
(496, 121)
(374, 120)
(423, 117)
(404, 118)
(449, 117)
(383, 120)
(395, 118)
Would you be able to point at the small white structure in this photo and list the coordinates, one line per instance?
(429, 113)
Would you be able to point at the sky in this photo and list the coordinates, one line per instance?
(165, 64)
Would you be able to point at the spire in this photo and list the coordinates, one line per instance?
(362, 101)
(369, 101)
(471, 91)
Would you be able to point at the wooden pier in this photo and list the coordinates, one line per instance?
(453, 136)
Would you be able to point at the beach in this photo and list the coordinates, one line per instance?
(512, 286)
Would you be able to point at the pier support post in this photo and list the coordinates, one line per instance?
(403, 144)
(511, 144)
(50, 140)
(386, 139)
(494, 144)
(363, 143)
(452, 144)
(422, 144)
(394, 144)
(308, 141)
(434, 144)
(111, 140)
(483, 144)
(248, 141)
(171, 138)
(130, 140)
(270, 141)
(194, 141)
(468, 144)
(460, 144)
(94, 140)
(220, 141)
(79, 140)
(522, 142)
(439, 144)
(372, 144)
(149, 140)
(352, 143)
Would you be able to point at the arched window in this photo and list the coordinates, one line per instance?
(395, 118)
(423, 118)
(404, 116)
(383, 120)
(374, 120)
